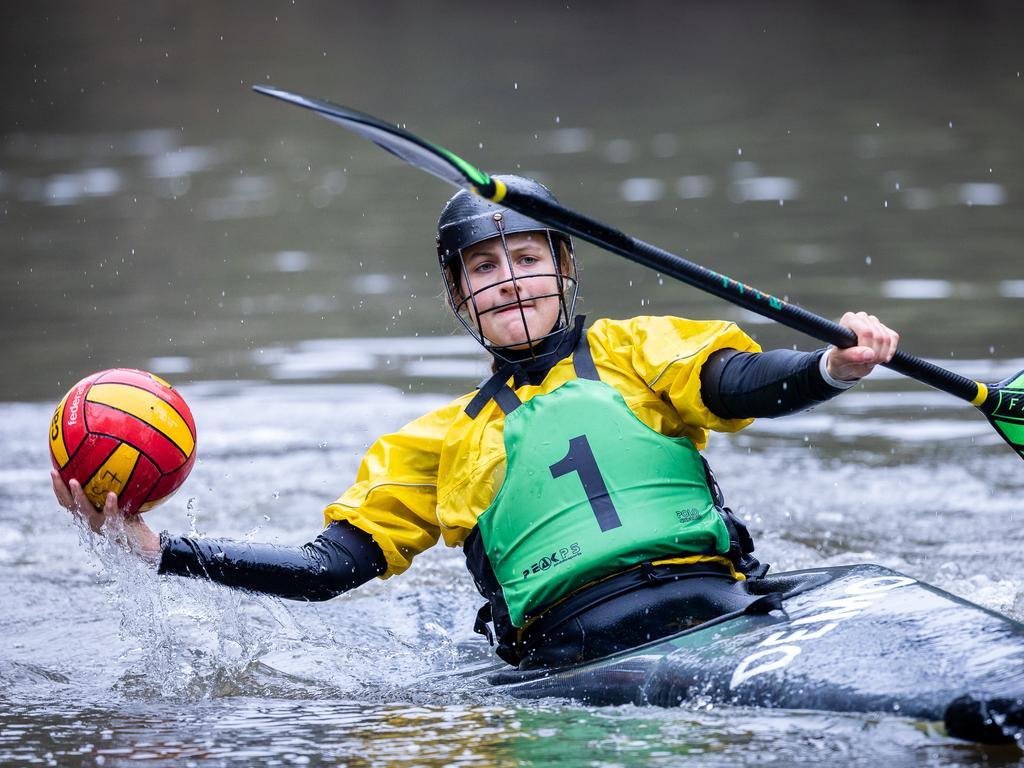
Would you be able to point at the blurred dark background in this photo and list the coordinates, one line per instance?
(154, 212)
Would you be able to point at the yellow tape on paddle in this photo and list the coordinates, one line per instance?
(499, 190)
(982, 395)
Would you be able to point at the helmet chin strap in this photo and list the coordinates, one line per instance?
(541, 348)
(532, 369)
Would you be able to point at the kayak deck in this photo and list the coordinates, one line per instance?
(859, 638)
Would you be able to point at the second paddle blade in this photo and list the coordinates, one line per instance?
(418, 152)
(1005, 410)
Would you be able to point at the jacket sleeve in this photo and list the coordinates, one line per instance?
(668, 353)
(766, 384)
(339, 559)
(394, 498)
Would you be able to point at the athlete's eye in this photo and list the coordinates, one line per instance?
(484, 266)
(528, 261)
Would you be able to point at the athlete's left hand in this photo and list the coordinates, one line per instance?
(876, 344)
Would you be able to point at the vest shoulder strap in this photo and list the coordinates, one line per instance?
(583, 360)
(507, 399)
(494, 388)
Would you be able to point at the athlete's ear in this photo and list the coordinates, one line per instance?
(453, 275)
(564, 258)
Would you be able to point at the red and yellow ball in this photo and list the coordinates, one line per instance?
(126, 431)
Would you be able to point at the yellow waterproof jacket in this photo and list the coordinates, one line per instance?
(436, 475)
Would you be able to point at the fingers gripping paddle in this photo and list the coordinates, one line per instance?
(1002, 403)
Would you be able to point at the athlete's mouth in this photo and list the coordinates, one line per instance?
(514, 308)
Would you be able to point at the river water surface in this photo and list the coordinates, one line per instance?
(155, 213)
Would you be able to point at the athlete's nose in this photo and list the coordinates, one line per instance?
(507, 285)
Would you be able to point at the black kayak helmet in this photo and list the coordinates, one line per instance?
(468, 219)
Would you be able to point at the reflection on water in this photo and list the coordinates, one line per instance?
(292, 732)
(917, 289)
(453, 357)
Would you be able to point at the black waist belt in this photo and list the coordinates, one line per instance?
(586, 598)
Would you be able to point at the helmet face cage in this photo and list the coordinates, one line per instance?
(563, 262)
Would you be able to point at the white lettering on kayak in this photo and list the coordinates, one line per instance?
(779, 648)
(777, 638)
(879, 584)
(844, 608)
(782, 656)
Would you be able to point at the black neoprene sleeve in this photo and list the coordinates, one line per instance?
(340, 558)
(745, 385)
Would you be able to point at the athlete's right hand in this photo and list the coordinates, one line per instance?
(137, 536)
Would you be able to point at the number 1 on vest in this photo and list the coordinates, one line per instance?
(580, 459)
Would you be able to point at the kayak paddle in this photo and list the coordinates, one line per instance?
(1002, 403)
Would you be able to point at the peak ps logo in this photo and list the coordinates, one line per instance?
(553, 560)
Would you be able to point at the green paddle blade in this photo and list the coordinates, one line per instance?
(433, 159)
(1004, 407)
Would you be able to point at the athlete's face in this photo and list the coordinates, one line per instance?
(511, 312)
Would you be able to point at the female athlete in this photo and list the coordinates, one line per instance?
(571, 477)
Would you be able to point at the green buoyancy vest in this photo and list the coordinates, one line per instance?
(589, 491)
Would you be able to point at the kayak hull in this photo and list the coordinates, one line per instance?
(859, 638)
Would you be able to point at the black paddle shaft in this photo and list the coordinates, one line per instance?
(449, 167)
(731, 290)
